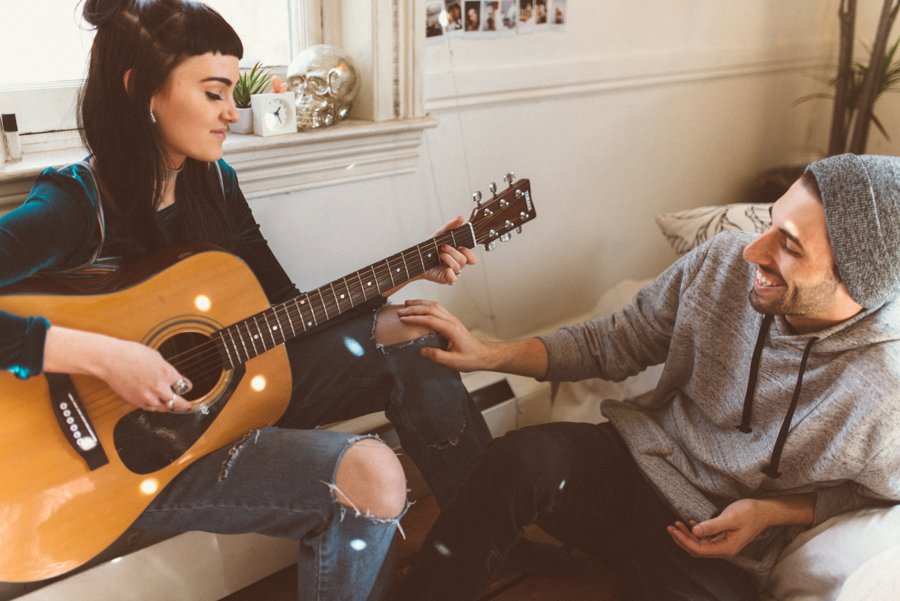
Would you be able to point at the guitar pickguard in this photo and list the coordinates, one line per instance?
(147, 442)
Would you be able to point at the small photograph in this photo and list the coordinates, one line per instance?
(454, 15)
(509, 11)
(472, 17)
(490, 15)
(433, 12)
(540, 12)
(526, 16)
(558, 13)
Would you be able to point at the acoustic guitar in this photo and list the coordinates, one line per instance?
(79, 464)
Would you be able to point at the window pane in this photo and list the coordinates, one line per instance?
(262, 26)
(44, 40)
(41, 41)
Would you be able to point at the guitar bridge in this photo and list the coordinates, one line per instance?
(74, 422)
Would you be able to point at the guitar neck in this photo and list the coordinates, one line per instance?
(259, 333)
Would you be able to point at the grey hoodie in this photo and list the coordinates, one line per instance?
(843, 441)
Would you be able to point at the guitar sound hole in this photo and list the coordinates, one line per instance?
(197, 358)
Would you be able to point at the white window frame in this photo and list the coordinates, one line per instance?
(381, 137)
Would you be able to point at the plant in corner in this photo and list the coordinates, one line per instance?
(856, 88)
(253, 81)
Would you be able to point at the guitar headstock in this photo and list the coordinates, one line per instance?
(495, 218)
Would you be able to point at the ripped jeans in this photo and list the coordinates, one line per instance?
(278, 481)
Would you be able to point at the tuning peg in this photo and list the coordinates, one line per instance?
(490, 246)
(493, 188)
(477, 197)
(519, 229)
(505, 237)
(510, 178)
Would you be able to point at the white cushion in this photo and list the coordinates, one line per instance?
(692, 227)
(851, 557)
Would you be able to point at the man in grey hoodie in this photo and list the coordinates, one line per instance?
(773, 413)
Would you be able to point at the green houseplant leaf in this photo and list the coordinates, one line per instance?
(254, 81)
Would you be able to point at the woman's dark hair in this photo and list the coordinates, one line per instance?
(148, 38)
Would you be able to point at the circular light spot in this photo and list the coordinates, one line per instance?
(202, 302)
(149, 486)
(258, 383)
(357, 544)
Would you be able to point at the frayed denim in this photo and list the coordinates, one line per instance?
(280, 481)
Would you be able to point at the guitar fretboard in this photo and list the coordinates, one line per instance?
(244, 340)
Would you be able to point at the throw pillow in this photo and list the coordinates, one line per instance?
(692, 227)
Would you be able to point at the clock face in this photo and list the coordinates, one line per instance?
(276, 115)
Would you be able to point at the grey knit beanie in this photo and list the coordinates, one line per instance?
(861, 194)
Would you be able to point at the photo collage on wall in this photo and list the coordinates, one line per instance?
(487, 18)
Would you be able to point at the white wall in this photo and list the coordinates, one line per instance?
(637, 107)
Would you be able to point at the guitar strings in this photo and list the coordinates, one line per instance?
(205, 359)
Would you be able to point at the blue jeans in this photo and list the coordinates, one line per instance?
(278, 480)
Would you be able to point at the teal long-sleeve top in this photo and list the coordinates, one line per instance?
(57, 228)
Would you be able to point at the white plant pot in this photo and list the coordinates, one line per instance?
(244, 125)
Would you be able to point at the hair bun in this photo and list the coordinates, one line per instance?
(100, 12)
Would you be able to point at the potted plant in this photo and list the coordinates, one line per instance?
(856, 88)
(253, 81)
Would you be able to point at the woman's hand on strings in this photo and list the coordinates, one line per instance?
(142, 377)
(453, 260)
(133, 371)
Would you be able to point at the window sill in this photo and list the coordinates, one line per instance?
(350, 151)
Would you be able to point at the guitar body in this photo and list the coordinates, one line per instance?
(78, 464)
(55, 511)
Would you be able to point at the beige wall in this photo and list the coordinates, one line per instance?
(636, 108)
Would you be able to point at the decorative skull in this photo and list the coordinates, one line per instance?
(325, 84)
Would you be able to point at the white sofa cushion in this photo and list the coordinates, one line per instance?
(851, 557)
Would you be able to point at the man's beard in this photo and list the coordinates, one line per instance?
(798, 300)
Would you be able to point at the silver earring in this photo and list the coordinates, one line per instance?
(152, 117)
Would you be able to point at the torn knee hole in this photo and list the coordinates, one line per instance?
(389, 330)
(234, 451)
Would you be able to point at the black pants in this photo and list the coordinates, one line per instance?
(579, 483)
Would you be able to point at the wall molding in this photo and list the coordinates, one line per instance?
(469, 88)
(350, 151)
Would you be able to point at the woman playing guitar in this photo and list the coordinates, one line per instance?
(154, 110)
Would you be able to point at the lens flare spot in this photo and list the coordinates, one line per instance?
(357, 544)
(353, 345)
(258, 383)
(442, 548)
(562, 484)
(202, 302)
(149, 486)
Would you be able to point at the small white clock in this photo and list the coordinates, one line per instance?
(274, 114)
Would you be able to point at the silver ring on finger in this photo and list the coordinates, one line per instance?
(170, 404)
(181, 386)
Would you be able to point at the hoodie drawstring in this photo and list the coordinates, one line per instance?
(754, 371)
(771, 470)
